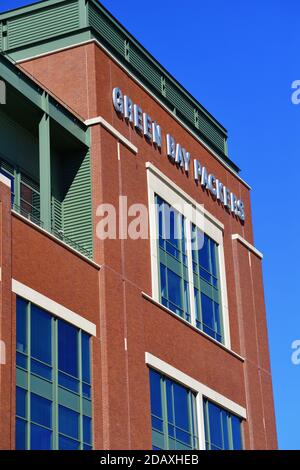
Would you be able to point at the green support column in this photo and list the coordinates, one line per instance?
(45, 168)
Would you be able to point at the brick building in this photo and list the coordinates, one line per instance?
(120, 343)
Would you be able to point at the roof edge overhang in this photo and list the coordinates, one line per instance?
(42, 99)
(88, 19)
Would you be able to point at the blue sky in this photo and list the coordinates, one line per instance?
(239, 58)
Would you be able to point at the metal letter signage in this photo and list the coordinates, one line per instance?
(144, 125)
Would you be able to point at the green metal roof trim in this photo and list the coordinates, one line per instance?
(34, 92)
(51, 24)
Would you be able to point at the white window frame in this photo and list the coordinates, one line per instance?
(159, 184)
(53, 307)
(201, 391)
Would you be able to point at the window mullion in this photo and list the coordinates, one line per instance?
(79, 336)
(29, 373)
(190, 270)
(164, 412)
(55, 426)
(178, 231)
(229, 430)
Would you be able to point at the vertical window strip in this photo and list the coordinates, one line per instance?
(66, 404)
(173, 269)
(218, 426)
(184, 277)
(167, 432)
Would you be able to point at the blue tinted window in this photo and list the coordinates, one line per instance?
(87, 429)
(173, 426)
(21, 395)
(174, 285)
(38, 411)
(41, 410)
(236, 433)
(40, 369)
(21, 325)
(174, 288)
(204, 254)
(68, 444)
(156, 405)
(222, 429)
(40, 438)
(86, 391)
(215, 426)
(86, 365)
(67, 348)
(86, 447)
(68, 382)
(163, 282)
(21, 434)
(40, 335)
(207, 314)
(181, 406)
(68, 422)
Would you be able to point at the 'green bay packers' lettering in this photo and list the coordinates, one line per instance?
(177, 154)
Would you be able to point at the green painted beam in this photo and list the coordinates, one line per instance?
(45, 169)
(33, 92)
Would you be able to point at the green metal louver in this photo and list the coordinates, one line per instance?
(106, 30)
(77, 206)
(43, 24)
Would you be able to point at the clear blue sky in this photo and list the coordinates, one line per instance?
(239, 58)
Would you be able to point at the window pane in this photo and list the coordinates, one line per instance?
(174, 288)
(21, 434)
(40, 369)
(181, 406)
(156, 405)
(86, 447)
(207, 314)
(21, 325)
(86, 391)
(225, 418)
(204, 254)
(163, 282)
(68, 422)
(40, 335)
(67, 348)
(215, 426)
(68, 444)
(169, 392)
(87, 430)
(85, 346)
(21, 360)
(40, 438)
(236, 433)
(41, 410)
(21, 402)
(218, 326)
(68, 382)
(213, 248)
